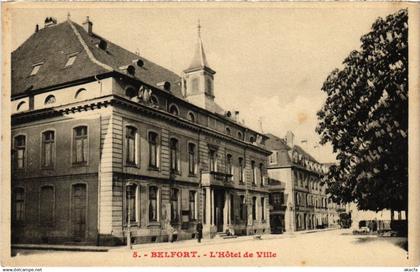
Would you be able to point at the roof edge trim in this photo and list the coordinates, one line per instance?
(89, 53)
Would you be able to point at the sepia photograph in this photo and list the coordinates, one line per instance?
(210, 134)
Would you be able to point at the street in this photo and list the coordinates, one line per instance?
(332, 247)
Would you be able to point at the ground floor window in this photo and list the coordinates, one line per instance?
(153, 205)
(174, 205)
(131, 203)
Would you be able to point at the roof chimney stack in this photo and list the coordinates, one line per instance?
(87, 25)
(290, 138)
(50, 21)
(36, 28)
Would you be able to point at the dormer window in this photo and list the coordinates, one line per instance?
(49, 100)
(35, 69)
(191, 117)
(70, 61)
(173, 110)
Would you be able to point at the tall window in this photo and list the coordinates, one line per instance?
(174, 205)
(254, 208)
(273, 157)
(131, 203)
(48, 148)
(47, 205)
(191, 158)
(277, 200)
(229, 169)
(80, 144)
(174, 155)
(20, 148)
(193, 207)
(254, 174)
(242, 208)
(153, 205)
(18, 205)
(153, 151)
(262, 208)
(212, 160)
(261, 174)
(131, 145)
(241, 170)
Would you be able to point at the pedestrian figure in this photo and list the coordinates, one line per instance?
(199, 229)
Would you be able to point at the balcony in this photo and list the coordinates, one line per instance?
(216, 178)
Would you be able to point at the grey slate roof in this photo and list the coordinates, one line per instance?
(53, 45)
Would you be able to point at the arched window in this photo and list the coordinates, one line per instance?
(49, 100)
(48, 148)
(173, 109)
(251, 139)
(191, 117)
(80, 93)
(20, 105)
(228, 132)
(240, 135)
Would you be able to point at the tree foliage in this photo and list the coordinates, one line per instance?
(365, 118)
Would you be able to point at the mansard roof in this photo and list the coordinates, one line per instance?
(51, 47)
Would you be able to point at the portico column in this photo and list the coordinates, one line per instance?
(208, 206)
(212, 207)
(226, 212)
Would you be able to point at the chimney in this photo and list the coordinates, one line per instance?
(50, 21)
(290, 138)
(36, 28)
(87, 25)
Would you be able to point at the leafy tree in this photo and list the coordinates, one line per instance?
(365, 118)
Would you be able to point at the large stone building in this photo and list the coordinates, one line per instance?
(103, 139)
(298, 198)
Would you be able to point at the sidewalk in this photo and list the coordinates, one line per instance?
(165, 245)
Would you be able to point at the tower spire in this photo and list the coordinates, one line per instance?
(199, 60)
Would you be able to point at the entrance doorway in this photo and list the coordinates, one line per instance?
(78, 212)
(219, 203)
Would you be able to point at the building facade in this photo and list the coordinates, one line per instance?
(298, 198)
(105, 141)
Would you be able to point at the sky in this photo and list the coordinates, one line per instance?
(270, 63)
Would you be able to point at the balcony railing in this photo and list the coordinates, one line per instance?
(216, 178)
